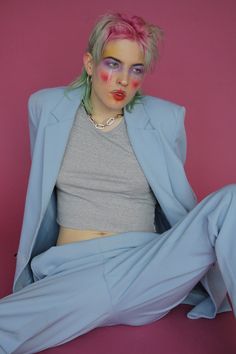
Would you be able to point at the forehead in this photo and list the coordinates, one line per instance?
(125, 50)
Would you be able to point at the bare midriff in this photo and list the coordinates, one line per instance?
(67, 235)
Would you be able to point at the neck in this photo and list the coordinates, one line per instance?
(101, 113)
(101, 116)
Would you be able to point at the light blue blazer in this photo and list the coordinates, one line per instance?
(157, 135)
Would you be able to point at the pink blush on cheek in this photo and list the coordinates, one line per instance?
(104, 76)
(135, 84)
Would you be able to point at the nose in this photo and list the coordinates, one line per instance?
(123, 79)
(123, 83)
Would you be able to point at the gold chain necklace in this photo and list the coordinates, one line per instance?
(109, 121)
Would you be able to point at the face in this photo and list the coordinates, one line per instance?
(117, 77)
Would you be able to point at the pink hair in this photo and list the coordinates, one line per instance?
(133, 29)
(120, 26)
(117, 26)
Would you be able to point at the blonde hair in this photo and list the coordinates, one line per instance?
(119, 26)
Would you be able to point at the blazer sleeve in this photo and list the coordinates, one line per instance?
(180, 141)
(33, 116)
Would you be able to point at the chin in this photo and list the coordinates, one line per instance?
(121, 104)
(117, 106)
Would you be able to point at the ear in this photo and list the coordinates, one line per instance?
(88, 63)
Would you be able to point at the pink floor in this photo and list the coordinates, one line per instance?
(173, 334)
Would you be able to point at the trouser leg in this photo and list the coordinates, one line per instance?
(144, 281)
(68, 302)
(150, 280)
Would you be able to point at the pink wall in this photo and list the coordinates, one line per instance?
(41, 46)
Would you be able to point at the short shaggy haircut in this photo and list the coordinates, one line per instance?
(120, 26)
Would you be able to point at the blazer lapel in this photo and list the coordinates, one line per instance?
(56, 136)
(146, 146)
(149, 150)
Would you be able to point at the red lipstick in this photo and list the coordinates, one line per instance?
(118, 95)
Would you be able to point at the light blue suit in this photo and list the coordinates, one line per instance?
(157, 136)
(156, 131)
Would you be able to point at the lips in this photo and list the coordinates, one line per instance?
(118, 95)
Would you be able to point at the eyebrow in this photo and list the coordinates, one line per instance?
(119, 61)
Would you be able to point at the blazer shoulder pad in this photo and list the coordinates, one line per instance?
(163, 113)
(48, 96)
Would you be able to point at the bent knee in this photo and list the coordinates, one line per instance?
(228, 189)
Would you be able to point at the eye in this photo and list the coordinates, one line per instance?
(138, 70)
(111, 64)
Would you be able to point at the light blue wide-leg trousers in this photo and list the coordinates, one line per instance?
(129, 278)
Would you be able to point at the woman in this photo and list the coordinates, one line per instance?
(112, 233)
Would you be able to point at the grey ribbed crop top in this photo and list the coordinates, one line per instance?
(100, 185)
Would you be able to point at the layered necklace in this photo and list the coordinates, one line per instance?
(109, 121)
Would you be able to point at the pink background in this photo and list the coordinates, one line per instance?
(41, 45)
